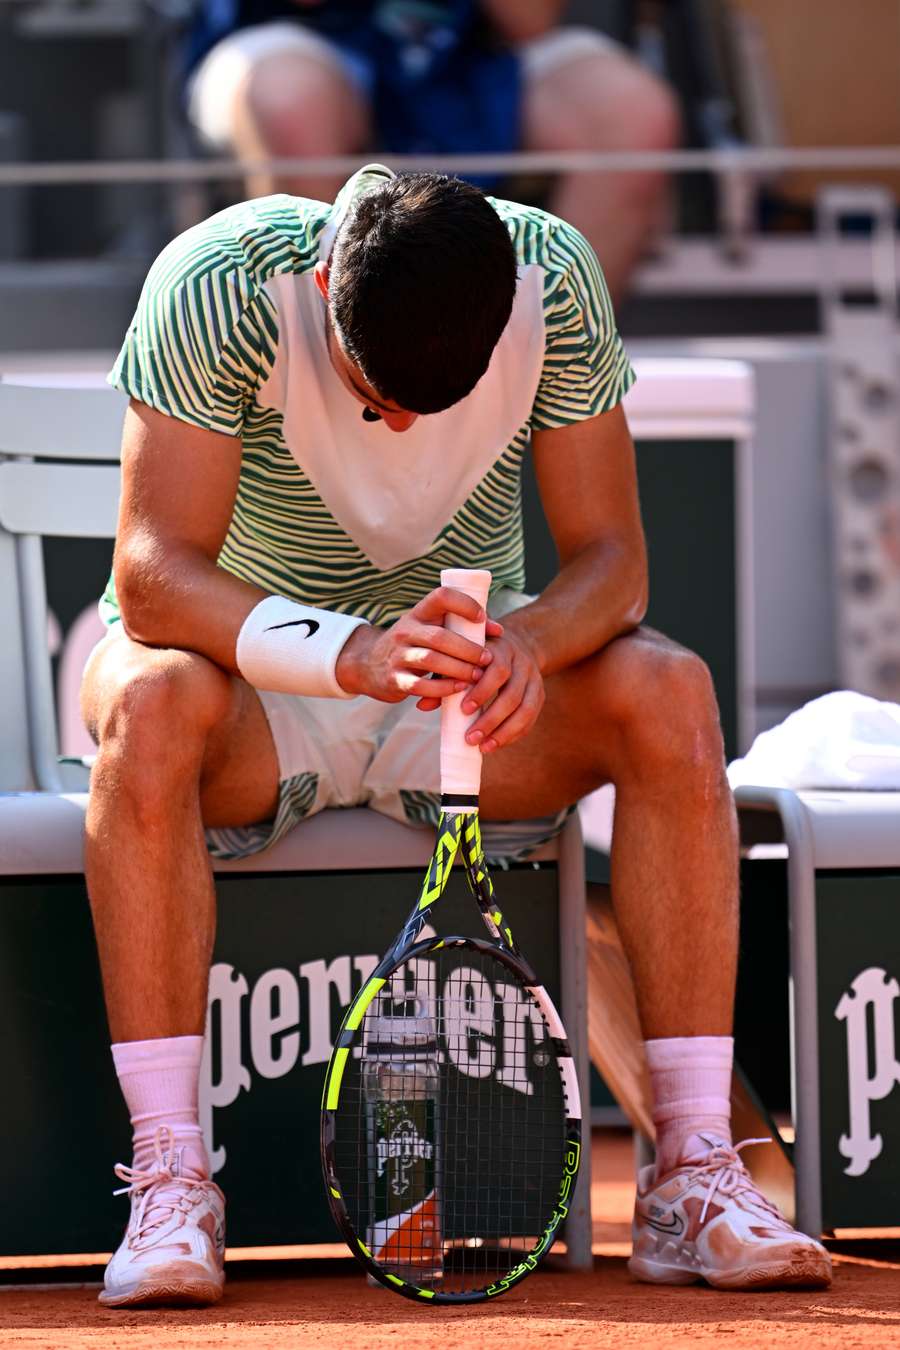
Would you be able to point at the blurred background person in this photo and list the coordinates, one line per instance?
(297, 78)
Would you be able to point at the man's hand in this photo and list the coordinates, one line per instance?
(514, 682)
(417, 655)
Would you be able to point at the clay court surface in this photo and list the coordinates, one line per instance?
(327, 1303)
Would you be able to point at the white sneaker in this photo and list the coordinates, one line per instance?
(706, 1220)
(173, 1251)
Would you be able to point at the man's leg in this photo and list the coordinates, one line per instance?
(642, 714)
(179, 742)
(583, 92)
(280, 91)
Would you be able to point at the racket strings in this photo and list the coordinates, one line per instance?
(450, 1136)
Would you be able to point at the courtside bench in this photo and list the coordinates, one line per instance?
(300, 927)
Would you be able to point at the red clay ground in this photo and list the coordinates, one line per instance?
(327, 1303)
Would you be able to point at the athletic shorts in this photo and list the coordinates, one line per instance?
(358, 752)
(217, 79)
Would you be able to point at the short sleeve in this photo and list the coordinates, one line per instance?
(586, 369)
(201, 337)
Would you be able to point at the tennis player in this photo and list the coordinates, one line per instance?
(329, 405)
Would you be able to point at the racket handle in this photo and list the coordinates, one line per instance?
(461, 762)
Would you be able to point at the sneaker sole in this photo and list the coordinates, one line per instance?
(172, 1293)
(804, 1270)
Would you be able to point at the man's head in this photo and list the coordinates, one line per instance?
(420, 287)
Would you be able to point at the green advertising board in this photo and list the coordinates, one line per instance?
(290, 951)
(858, 997)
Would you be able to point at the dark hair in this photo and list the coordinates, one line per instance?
(423, 276)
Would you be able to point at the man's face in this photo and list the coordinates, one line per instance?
(397, 419)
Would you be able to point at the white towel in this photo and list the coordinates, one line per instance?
(842, 740)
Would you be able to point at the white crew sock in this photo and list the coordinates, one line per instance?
(160, 1082)
(690, 1078)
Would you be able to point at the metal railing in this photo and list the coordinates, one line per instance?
(717, 162)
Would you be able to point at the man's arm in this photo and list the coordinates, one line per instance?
(179, 484)
(588, 485)
(518, 22)
(178, 489)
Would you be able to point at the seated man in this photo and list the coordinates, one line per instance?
(276, 645)
(295, 78)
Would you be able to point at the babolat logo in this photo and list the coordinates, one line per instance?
(872, 1066)
(402, 1149)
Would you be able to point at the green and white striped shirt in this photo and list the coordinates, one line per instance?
(332, 510)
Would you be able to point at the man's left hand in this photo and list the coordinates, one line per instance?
(509, 695)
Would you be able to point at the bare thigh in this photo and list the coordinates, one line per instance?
(304, 104)
(600, 99)
(642, 695)
(210, 723)
(291, 105)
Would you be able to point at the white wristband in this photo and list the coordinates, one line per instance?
(293, 649)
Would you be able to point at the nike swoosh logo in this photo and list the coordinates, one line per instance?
(312, 624)
(676, 1226)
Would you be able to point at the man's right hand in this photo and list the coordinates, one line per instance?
(417, 655)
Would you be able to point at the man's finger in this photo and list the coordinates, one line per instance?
(447, 600)
(518, 723)
(424, 659)
(425, 686)
(503, 706)
(451, 644)
(493, 679)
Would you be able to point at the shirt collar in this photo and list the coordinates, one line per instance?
(364, 180)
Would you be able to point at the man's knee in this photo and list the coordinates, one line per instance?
(153, 703)
(653, 121)
(661, 698)
(293, 100)
(608, 101)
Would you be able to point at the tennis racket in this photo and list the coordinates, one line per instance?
(451, 1117)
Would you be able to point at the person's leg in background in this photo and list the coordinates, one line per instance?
(583, 92)
(280, 91)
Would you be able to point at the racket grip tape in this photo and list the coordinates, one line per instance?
(461, 762)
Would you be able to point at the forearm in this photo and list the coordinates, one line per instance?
(178, 598)
(598, 594)
(186, 602)
(516, 21)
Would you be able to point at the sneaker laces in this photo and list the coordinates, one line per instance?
(727, 1174)
(163, 1191)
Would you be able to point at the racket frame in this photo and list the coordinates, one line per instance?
(459, 832)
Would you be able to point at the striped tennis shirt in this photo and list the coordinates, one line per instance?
(332, 510)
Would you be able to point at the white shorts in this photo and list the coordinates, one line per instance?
(358, 752)
(218, 79)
